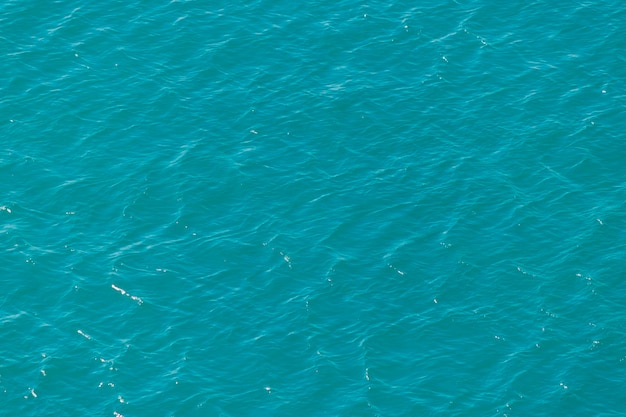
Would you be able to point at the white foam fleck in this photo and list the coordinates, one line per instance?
(124, 292)
(116, 288)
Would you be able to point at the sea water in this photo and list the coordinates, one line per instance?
(332, 208)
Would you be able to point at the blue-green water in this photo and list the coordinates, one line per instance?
(273, 208)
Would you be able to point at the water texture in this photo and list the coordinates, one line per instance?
(273, 208)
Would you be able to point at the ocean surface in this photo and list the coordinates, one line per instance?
(329, 208)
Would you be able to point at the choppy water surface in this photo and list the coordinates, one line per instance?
(335, 208)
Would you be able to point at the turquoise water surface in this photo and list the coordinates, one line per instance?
(278, 208)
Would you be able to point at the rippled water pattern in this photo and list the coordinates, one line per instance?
(335, 208)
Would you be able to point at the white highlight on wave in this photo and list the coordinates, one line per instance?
(123, 292)
(83, 334)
